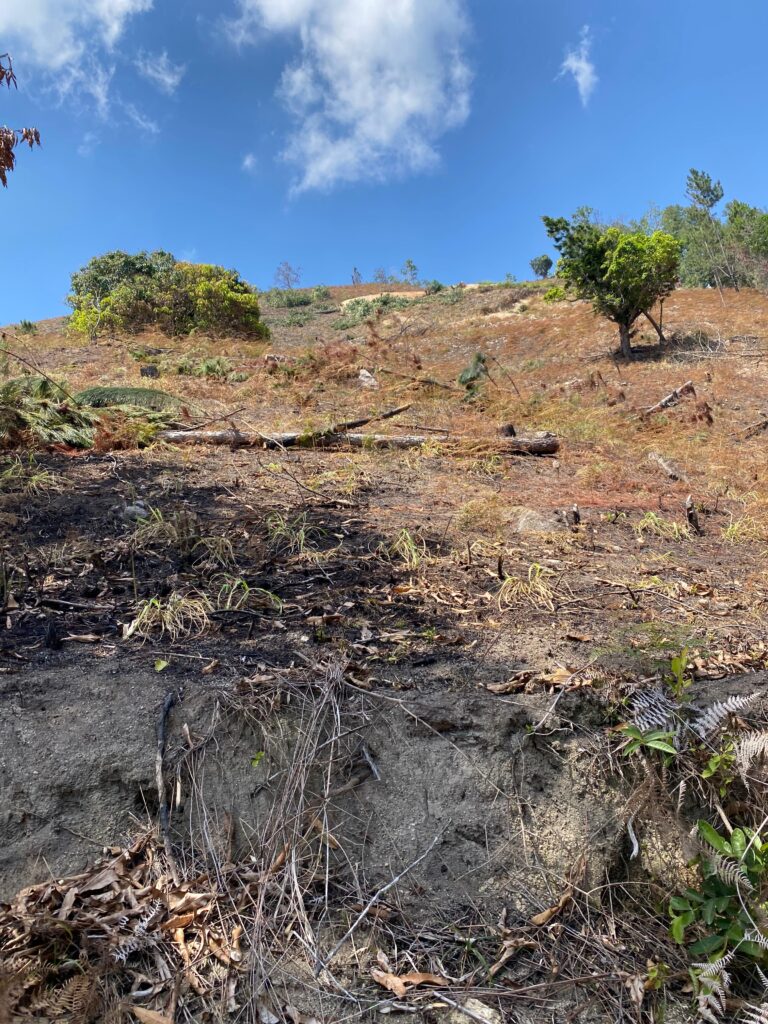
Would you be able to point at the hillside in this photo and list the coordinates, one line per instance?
(382, 664)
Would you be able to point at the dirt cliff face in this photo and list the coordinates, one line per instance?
(399, 677)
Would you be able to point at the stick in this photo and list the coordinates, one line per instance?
(420, 380)
(541, 443)
(672, 398)
(170, 700)
(321, 966)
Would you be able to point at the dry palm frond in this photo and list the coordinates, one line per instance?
(39, 407)
(144, 398)
(709, 720)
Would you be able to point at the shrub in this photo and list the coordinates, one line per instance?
(554, 294)
(119, 291)
(320, 293)
(359, 310)
(433, 287)
(284, 298)
(27, 327)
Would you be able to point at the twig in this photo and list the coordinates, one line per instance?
(170, 700)
(321, 966)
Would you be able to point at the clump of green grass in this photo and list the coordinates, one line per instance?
(25, 476)
(291, 536)
(236, 594)
(410, 550)
(654, 525)
(177, 617)
(533, 589)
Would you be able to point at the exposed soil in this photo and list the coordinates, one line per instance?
(458, 646)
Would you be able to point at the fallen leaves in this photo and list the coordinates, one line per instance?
(401, 984)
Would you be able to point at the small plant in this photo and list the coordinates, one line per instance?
(236, 594)
(27, 327)
(679, 680)
(534, 589)
(433, 287)
(656, 526)
(321, 293)
(407, 549)
(25, 476)
(651, 739)
(298, 319)
(554, 294)
(176, 616)
(291, 536)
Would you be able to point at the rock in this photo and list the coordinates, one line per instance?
(149, 371)
(479, 1012)
(367, 380)
(135, 512)
(531, 520)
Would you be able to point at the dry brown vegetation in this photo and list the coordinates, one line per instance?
(400, 647)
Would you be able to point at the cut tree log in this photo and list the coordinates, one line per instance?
(672, 398)
(672, 471)
(540, 443)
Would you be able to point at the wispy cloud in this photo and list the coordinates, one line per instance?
(374, 87)
(578, 62)
(140, 120)
(88, 143)
(57, 33)
(250, 163)
(160, 70)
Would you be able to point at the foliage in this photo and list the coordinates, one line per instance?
(38, 408)
(472, 376)
(622, 273)
(357, 311)
(652, 739)
(541, 265)
(410, 272)
(286, 298)
(321, 293)
(555, 294)
(128, 292)
(433, 287)
(145, 398)
(27, 327)
(725, 907)
(10, 138)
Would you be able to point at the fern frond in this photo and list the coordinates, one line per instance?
(753, 935)
(652, 709)
(755, 1014)
(712, 968)
(762, 977)
(729, 871)
(749, 749)
(709, 720)
(145, 398)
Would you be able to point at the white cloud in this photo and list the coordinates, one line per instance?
(142, 122)
(56, 33)
(249, 163)
(578, 63)
(160, 70)
(375, 86)
(88, 144)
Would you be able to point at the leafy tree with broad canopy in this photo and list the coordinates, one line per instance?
(541, 266)
(624, 274)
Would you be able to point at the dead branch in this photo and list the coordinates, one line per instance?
(667, 467)
(672, 398)
(755, 428)
(427, 381)
(162, 724)
(540, 443)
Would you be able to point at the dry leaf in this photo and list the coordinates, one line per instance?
(546, 915)
(400, 984)
(150, 1016)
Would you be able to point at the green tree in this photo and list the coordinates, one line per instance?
(622, 273)
(11, 137)
(541, 266)
(123, 291)
(410, 272)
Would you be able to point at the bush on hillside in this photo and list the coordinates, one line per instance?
(124, 292)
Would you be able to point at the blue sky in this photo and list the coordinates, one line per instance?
(341, 133)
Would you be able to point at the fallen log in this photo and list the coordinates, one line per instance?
(541, 443)
(755, 428)
(672, 398)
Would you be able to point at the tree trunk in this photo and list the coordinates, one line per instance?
(626, 344)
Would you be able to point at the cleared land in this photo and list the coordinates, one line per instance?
(383, 663)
